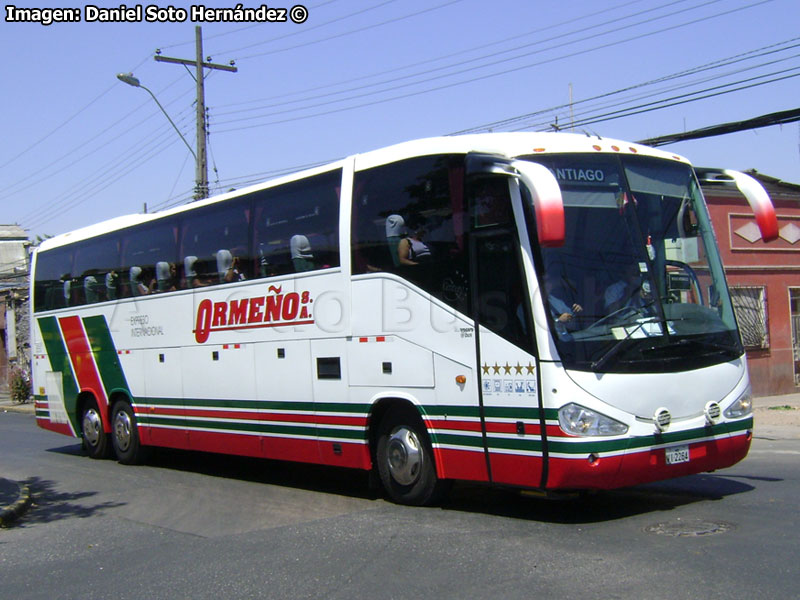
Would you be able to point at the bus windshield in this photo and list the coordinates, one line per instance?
(638, 285)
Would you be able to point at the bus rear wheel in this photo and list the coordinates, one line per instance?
(95, 439)
(125, 435)
(405, 460)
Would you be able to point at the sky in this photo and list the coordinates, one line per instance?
(79, 146)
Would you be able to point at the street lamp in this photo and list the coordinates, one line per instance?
(133, 81)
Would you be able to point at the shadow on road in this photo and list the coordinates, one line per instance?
(50, 504)
(317, 478)
(600, 506)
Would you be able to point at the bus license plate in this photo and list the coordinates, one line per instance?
(678, 454)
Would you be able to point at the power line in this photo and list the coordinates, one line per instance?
(765, 50)
(678, 100)
(593, 111)
(40, 174)
(538, 44)
(471, 80)
(59, 127)
(776, 118)
(247, 27)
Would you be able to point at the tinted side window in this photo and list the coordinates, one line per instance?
(95, 270)
(215, 243)
(409, 219)
(502, 300)
(296, 226)
(142, 248)
(52, 286)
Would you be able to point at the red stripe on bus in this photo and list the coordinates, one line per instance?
(642, 466)
(45, 423)
(80, 354)
(461, 464)
(252, 416)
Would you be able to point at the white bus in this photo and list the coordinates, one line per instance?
(544, 311)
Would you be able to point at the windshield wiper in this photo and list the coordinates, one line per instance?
(598, 364)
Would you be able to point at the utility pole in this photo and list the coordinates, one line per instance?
(201, 166)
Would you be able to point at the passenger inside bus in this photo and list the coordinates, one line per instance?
(302, 257)
(165, 278)
(228, 267)
(137, 287)
(90, 289)
(630, 290)
(412, 250)
(561, 309)
(112, 284)
(190, 277)
(394, 235)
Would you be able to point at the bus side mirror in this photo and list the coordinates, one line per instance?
(547, 202)
(759, 201)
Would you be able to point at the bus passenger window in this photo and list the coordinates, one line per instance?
(409, 219)
(212, 238)
(297, 226)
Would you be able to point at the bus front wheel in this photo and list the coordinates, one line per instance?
(95, 439)
(405, 460)
(125, 434)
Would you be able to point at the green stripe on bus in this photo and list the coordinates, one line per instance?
(450, 411)
(588, 447)
(454, 439)
(105, 355)
(267, 405)
(59, 361)
(252, 427)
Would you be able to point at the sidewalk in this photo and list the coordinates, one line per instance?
(7, 406)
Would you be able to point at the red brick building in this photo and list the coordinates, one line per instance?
(764, 279)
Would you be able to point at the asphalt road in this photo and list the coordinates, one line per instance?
(200, 526)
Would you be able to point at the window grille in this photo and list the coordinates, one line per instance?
(750, 306)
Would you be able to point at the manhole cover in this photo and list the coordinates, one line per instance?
(689, 528)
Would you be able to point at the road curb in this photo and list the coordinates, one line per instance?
(9, 514)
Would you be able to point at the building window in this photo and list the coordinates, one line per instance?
(794, 300)
(750, 306)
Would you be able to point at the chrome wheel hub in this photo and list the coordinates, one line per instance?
(404, 455)
(122, 430)
(92, 427)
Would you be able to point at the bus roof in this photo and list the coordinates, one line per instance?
(509, 144)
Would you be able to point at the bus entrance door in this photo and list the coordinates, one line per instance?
(509, 395)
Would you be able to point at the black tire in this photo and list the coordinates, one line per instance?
(125, 435)
(405, 459)
(95, 439)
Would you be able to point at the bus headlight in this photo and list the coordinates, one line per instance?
(575, 419)
(742, 407)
